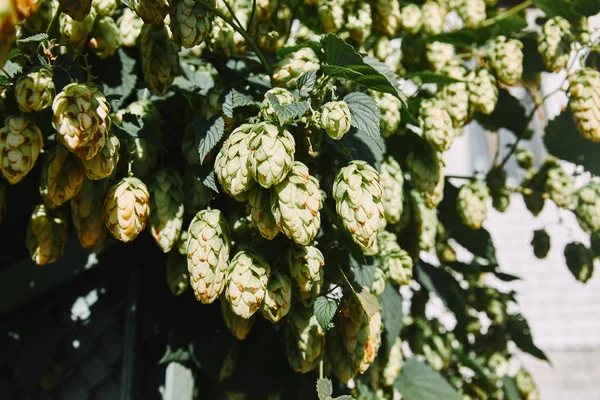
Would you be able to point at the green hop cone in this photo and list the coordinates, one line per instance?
(358, 196)
(438, 54)
(389, 112)
(159, 56)
(560, 186)
(166, 207)
(580, 261)
(525, 158)
(359, 22)
(335, 119)
(176, 274)
(104, 163)
(412, 19)
(271, 154)
(395, 262)
(392, 181)
(95, 145)
(105, 38)
(554, 43)
(75, 32)
(76, 9)
(267, 110)
(259, 205)
(130, 27)
(456, 95)
(105, 8)
(278, 297)
(379, 282)
(86, 214)
(338, 358)
(305, 265)
(472, 12)
(533, 194)
(434, 15)
(20, 144)
(526, 385)
(295, 204)
(289, 69)
(208, 249)
(46, 235)
(247, 283)
(426, 220)
(197, 195)
(387, 17)
(436, 123)
(472, 203)
(35, 91)
(584, 91)
(62, 177)
(506, 59)
(394, 362)
(425, 166)
(331, 15)
(540, 243)
(190, 22)
(483, 91)
(496, 182)
(239, 327)
(126, 209)
(587, 207)
(151, 11)
(304, 340)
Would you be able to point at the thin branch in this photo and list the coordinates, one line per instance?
(235, 18)
(466, 178)
(510, 12)
(251, 15)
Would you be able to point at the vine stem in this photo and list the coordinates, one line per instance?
(505, 14)
(466, 178)
(242, 32)
(54, 21)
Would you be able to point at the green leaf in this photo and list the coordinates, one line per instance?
(460, 38)
(362, 270)
(324, 309)
(564, 140)
(533, 64)
(118, 85)
(391, 315)
(195, 80)
(179, 355)
(208, 133)
(368, 301)
(474, 365)
(418, 381)
(364, 114)
(306, 82)
(507, 105)
(432, 77)
(358, 145)
(586, 8)
(38, 37)
(324, 388)
(554, 8)
(519, 332)
(4, 80)
(13, 53)
(390, 75)
(234, 99)
(287, 50)
(288, 112)
(210, 181)
(510, 388)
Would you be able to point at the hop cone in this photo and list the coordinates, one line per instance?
(288, 70)
(412, 19)
(105, 38)
(506, 58)
(86, 213)
(379, 282)
(231, 164)
(259, 205)
(46, 235)
(533, 194)
(76, 9)
(20, 144)
(35, 91)
(331, 15)
(197, 194)
(335, 119)
(160, 58)
(360, 22)
(425, 166)
(395, 262)
(240, 327)
(247, 283)
(278, 297)
(305, 264)
(226, 40)
(104, 163)
(176, 274)
(426, 220)
(105, 8)
(483, 92)
(434, 15)
(391, 370)
(340, 361)
(8, 31)
(560, 186)
(358, 196)
(587, 207)
(295, 204)
(267, 110)
(79, 112)
(271, 154)
(540, 243)
(190, 22)
(208, 254)
(472, 12)
(389, 113)
(580, 261)
(496, 182)
(526, 385)
(388, 16)
(525, 158)
(76, 31)
(95, 144)
(62, 176)
(268, 34)
(3, 200)
(304, 340)
(438, 54)
(126, 209)
(554, 45)
(166, 207)
(436, 123)
(130, 27)
(472, 204)
(584, 90)
(151, 11)
(392, 181)
(456, 95)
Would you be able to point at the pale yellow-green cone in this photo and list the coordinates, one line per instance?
(226, 40)
(126, 209)
(587, 207)
(295, 204)
(412, 19)
(105, 38)
(104, 163)
(239, 327)
(197, 195)
(166, 207)
(46, 235)
(267, 111)
(268, 33)
(483, 91)
(392, 181)
(379, 282)
(76, 9)
(331, 15)
(438, 54)
(130, 27)
(392, 367)
(20, 144)
(35, 91)
(86, 213)
(74, 31)
(271, 154)
(287, 71)
(455, 95)
(359, 22)
(304, 340)
(389, 113)
(395, 262)
(584, 90)
(525, 158)
(151, 11)
(247, 283)
(176, 273)
(105, 8)
(506, 59)
(190, 22)
(387, 17)
(496, 181)
(159, 56)
(3, 201)
(436, 124)
(208, 249)
(259, 206)
(554, 43)
(62, 176)
(472, 203)
(434, 15)
(426, 220)
(232, 165)
(278, 297)
(472, 12)
(305, 265)
(335, 119)
(338, 359)
(526, 385)
(425, 167)
(361, 334)
(560, 186)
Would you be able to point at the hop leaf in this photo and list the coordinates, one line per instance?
(540, 243)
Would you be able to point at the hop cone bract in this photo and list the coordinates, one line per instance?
(412, 19)
(305, 264)
(20, 144)
(335, 119)
(130, 27)
(425, 166)
(247, 284)
(126, 209)
(483, 92)
(434, 15)
(472, 12)
(391, 370)
(289, 69)
(46, 235)
(104, 163)
(438, 54)
(387, 16)
(426, 220)
(105, 38)
(166, 207)
(456, 95)
(259, 205)
(76, 9)
(395, 262)
(267, 110)
(150, 11)
(231, 164)
(190, 22)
